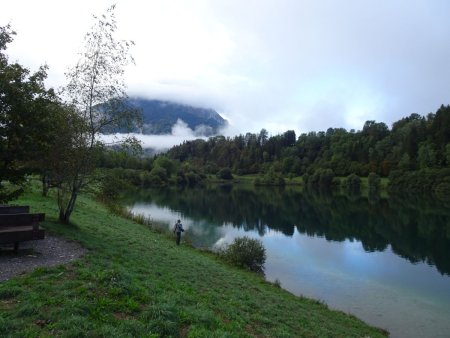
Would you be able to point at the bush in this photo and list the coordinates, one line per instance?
(110, 187)
(420, 181)
(326, 178)
(225, 174)
(246, 252)
(352, 184)
(374, 182)
(320, 179)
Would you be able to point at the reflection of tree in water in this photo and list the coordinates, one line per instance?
(418, 230)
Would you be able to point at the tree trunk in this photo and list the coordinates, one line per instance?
(64, 214)
(45, 185)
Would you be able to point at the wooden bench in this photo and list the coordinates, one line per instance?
(14, 209)
(18, 225)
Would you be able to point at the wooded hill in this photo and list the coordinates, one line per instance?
(413, 143)
(414, 154)
(158, 117)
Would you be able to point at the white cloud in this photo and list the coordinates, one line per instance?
(287, 64)
(180, 132)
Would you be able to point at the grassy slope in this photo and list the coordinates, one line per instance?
(135, 282)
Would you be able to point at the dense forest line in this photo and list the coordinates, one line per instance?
(414, 154)
(413, 143)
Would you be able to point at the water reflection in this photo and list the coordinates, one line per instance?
(415, 229)
(384, 260)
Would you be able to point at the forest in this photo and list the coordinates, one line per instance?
(414, 154)
(413, 143)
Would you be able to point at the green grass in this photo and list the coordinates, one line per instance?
(137, 283)
(250, 178)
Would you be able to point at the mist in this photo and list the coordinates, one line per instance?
(160, 143)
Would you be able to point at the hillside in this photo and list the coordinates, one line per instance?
(158, 117)
(137, 282)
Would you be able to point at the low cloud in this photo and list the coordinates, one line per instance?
(180, 133)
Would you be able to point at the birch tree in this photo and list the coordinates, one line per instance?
(96, 92)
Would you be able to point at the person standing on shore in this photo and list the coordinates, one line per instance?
(178, 229)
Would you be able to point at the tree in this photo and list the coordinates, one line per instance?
(24, 118)
(447, 154)
(352, 184)
(263, 136)
(374, 182)
(225, 174)
(426, 155)
(405, 162)
(289, 138)
(96, 91)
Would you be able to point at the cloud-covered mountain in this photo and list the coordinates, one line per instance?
(160, 116)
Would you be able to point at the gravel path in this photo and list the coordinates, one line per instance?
(50, 251)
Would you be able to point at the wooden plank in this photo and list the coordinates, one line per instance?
(21, 236)
(20, 219)
(14, 209)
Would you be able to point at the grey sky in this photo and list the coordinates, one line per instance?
(278, 64)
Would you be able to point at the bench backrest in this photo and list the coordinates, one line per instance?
(14, 209)
(20, 219)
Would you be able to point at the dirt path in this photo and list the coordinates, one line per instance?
(33, 254)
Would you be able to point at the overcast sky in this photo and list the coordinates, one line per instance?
(274, 64)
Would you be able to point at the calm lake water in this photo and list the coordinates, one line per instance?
(387, 261)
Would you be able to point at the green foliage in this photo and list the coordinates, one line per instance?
(111, 187)
(413, 142)
(374, 182)
(225, 174)
(96, 93)
(321, 179)
(405, 162)
(114, 158)
(167, 164)
(425, 181)
(270, 178)
(26, 124)
(352, 184)
(189, 177)
(158, 174)
(442, 188)
(247, 253)
(447, 154)
(426, 156)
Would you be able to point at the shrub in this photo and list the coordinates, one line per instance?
(225, 174)
(110, 187)
(374, 182)
(352, 184)
(320, 179)
(326, 178)
(246, 252)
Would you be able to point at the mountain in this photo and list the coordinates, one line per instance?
(160, 116)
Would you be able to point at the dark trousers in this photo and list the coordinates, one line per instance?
(178, 237)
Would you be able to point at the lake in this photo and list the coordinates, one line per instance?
(387, 261)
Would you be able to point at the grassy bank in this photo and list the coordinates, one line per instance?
(136, 283)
